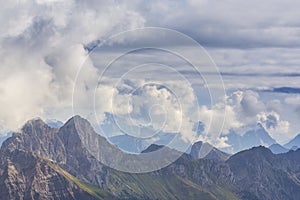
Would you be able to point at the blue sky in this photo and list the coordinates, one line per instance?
(256, 46)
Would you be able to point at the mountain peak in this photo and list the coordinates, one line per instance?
(277, 148)
(76, 128)
(261, 151)
(205, 150)
(200, 150)
(78, 123)
(75, 119)
(255, 136)
(261, 148)
(35, 121)
(34, 125)
(152, 148)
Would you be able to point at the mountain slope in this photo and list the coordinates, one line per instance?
(277, 148)
(294, 143)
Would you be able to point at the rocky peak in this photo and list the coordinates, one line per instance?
(152, 148)
(35, 127)
(205, 150)
(78, 121)
(78, 132)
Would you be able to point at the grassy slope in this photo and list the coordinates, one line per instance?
(149, 186)
(92, 190)
(146, 186)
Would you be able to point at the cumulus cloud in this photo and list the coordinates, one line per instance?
(42, 49)
(273, 124)
(146, 109)
(241, 111)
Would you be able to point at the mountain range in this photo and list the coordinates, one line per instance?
(255, 136)
(251, 138)
(41, 162)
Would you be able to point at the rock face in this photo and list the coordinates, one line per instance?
(25, 176)
(26, 169)
(42, 162)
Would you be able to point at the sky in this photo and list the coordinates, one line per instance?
(48, 71)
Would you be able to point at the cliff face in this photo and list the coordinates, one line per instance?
(25, 176)
(28, 160)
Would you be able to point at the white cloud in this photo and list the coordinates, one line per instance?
(293, 100)
(273, 124)
(148, 108)
(42, 49)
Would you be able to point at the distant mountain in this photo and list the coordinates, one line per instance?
(277, 148)
(4, 137)
(136, 145)
(294, 143)
(41, 162)
(53, 123)
(252, 138)
(133, 144)
(204, 150)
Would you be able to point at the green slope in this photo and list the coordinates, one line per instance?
(91, 189)
(150, 186)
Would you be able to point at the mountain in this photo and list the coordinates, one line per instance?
(277, 148)
(260, 174)
(53, 123)
(133, 144)
(205, 150)
(255, 137)
(41, 162)
(294, 143)
(136, 145)
(27, 170)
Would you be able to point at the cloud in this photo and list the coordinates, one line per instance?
(241, 111)
(42, 49)
(147, 108)
(293, 100)
(273, 124)
(229, 23)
